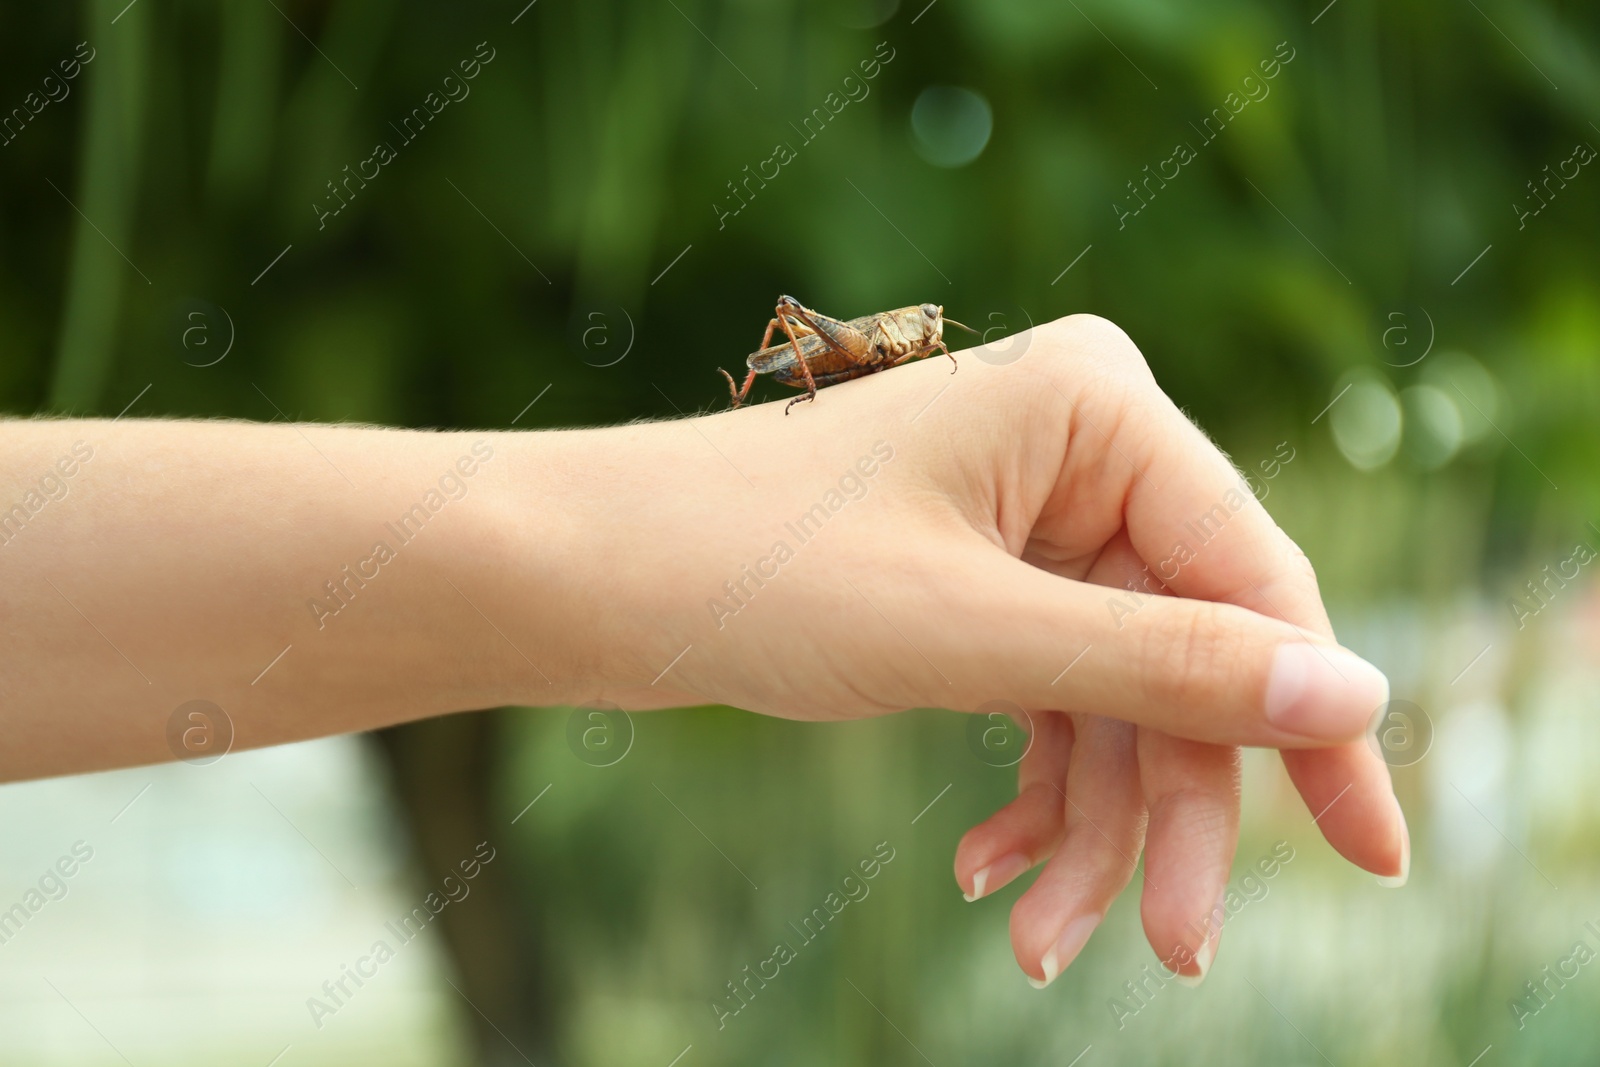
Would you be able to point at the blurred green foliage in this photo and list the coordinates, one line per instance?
(586, 174)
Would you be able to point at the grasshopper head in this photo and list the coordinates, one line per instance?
(933, 322)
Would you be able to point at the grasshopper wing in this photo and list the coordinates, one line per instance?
(832, 346)
(843, 344)
(780, 357)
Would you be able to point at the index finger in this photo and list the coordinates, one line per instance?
(1207, 537)
(1192, 513)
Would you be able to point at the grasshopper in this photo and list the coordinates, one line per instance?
(823, 351)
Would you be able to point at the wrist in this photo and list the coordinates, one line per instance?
(555, 565)
(590, 546)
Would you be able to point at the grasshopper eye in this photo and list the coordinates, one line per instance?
(930, 310)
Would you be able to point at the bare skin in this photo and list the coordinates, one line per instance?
(575, 565)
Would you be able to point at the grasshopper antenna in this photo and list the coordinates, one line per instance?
(952, 322)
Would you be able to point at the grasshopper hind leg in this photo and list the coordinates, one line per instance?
(738, 395)
(784, 312)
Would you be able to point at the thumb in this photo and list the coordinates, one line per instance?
(1196, 669)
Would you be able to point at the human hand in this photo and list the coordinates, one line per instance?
(886, 547)
(889, 546)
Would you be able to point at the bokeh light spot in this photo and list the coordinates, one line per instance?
(950, 125)
(1366, 420)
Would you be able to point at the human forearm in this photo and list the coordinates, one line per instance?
(177, 560)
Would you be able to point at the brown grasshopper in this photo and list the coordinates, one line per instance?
(823, 351)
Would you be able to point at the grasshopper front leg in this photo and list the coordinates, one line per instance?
(928, 350)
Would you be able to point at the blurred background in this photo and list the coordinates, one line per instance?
(1359, 235)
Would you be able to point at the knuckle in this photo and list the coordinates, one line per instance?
(1090, 324)
(1202, 818)
(1301, 564)
(1083, 349)
(1106, 857)
(1099, 338)
(1191, 657)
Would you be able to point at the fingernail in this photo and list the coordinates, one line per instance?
(1398, 880)
(998, 875)
(1322, 691)
(1212, 929)
(1202, 959)
(1066, 949)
